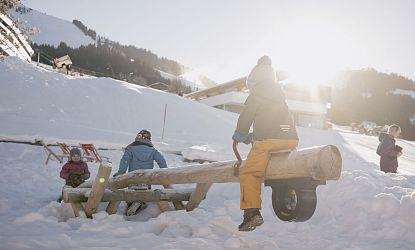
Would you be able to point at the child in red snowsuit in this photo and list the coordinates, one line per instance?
(75, 171)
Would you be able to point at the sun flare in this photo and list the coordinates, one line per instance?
(312, 54)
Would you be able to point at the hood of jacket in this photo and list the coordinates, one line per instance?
(269, 90)
(382, 136)
(143, 142)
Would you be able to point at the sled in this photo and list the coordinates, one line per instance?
(292, 175)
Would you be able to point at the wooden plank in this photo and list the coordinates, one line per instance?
(97, 190)
(71, 195)
(77, 208)
(86, 184)
(178, 205)
(164, 206)
(198, 195)
(113, 207)
(319, 163)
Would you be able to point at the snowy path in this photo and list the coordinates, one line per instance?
(365, 146)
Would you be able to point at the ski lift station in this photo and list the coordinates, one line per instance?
(309, 105)
(12, 41)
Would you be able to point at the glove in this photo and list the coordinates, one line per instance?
(116, 174)
(74, 176)
(398, 149)
(245, 139)
(76, 179)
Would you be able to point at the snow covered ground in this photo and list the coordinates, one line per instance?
(52, 30)
(365, 209)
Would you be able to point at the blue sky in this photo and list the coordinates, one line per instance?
(223, 39)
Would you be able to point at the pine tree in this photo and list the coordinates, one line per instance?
(6, 5)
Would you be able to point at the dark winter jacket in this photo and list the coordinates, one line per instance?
(140, 155)
(71, 167)
(388, 153)
(267, 110)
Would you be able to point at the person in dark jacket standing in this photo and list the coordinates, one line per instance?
(140, 154)
(75, 171)
(273, 130)
(388, 151)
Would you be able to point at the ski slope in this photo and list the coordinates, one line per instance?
(51, 30)
(365, 209)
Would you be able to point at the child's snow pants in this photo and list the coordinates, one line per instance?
(254, 170)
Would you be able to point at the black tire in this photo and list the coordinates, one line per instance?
(293, 203)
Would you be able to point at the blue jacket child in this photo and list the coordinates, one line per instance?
(140, 154)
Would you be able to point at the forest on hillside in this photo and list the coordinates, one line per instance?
(368, 95)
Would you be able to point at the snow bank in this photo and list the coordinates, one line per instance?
(366, 209)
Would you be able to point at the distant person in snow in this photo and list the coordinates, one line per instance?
(140, 154)
(388, 151)
(273, 130)
(75, 171)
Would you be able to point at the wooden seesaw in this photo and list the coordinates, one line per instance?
(293, 177)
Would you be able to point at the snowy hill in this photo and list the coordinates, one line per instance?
(51, 30)
(365, 209)
(38, 103)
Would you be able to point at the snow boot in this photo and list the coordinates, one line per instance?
(252, 219)
(135, 207)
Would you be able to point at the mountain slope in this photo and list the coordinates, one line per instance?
(51, 30)
(35, 102)
(356, 96)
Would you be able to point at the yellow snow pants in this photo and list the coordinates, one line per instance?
(256, 163)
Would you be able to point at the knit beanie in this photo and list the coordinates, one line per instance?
(75, 151)
(145, 134)
(261, 72)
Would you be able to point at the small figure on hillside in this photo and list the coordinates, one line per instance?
(68, 69)
(75, 171)
(273, 130)
(388, 151)
(140, 154)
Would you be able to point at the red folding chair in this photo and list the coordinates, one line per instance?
(50, 153)
(91, 153)
(64, 147)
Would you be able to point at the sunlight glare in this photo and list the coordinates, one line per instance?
(312, 54)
